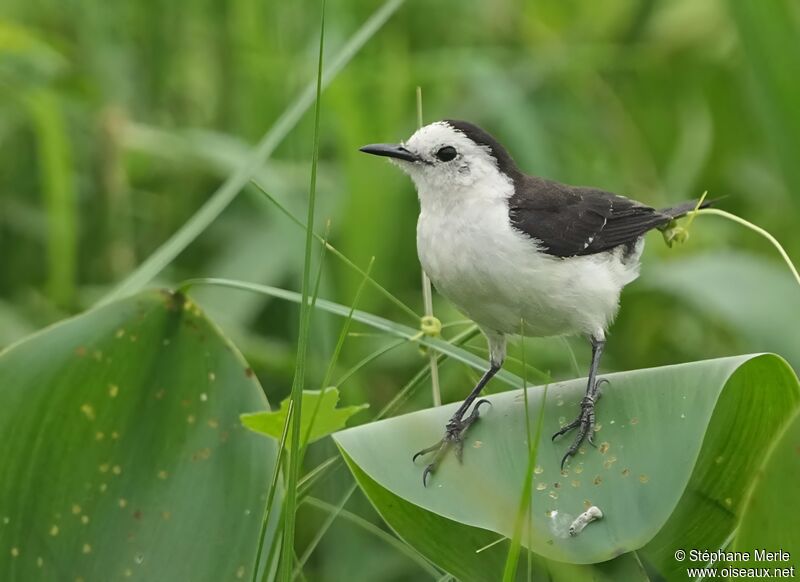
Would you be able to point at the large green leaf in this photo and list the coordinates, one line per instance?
(123, 454)
(769, 516)
(474, 554)
(668, 439)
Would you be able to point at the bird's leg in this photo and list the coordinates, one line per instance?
(586, 420)
(457, 426)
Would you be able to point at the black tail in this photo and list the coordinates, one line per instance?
(685, 208)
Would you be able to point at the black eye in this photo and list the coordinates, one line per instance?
(447, 153)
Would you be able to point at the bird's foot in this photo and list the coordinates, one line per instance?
(454, 432)
(584, 423)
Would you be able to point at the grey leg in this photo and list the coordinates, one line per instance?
(586, 419)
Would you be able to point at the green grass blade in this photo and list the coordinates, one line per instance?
(295, 453)
(335, 357)
(380, 288)
(371, 528)
(323, 529)
(377, 322)
(58, 186)
(368, 360)
(228, 191)
(510, 569)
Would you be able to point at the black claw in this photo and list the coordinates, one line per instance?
(455, 430)
(428, 470)
(478, 405)
(427, 450)
(565, 429)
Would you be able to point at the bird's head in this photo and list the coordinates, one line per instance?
(449, 157)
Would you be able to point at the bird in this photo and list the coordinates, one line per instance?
(520, 254)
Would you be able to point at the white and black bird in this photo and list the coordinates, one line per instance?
(518, 253)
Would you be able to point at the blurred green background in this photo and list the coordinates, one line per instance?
(119, 120)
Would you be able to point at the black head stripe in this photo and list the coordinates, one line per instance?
(505, 163)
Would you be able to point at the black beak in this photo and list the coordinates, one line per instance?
(390, 151)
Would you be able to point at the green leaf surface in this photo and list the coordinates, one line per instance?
(328, 418)
(123, 454)
(473, 554)
(769, 516)
(668, 439)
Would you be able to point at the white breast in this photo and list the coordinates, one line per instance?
(498, 277)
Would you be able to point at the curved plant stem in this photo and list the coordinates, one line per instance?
(756, 229)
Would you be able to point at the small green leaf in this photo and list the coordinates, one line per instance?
(328, 418)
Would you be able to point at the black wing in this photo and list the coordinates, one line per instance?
(571, 221)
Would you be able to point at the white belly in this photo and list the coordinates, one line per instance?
(495, 275)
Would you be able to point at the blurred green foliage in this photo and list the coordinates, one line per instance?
(118, 120)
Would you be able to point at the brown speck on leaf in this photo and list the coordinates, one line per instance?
(604, 448)
(165, 515)
(137, 514)
(609, 461)
(556, 485)
(202, 454)
(626, 472)
(248, 372)
(597, 480)
(634, 420)
(163, 474)
(587, 504)
(80, 351)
